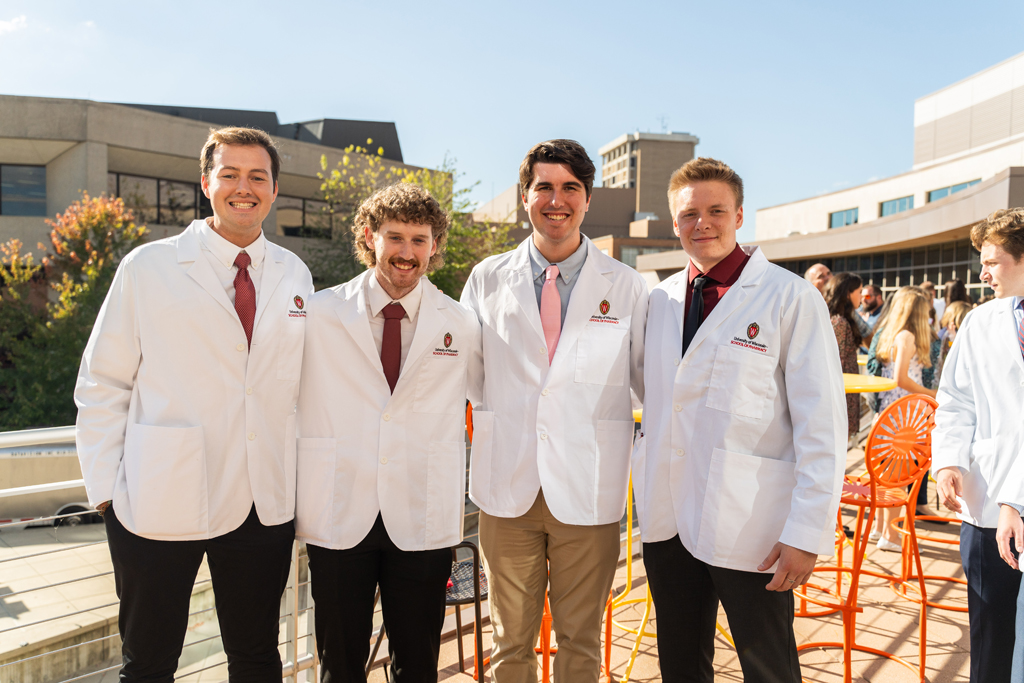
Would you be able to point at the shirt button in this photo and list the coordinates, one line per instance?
(387, 417)
(248, 392)
(543, 437)
(252, 435)
(545, 392)
(678, 407)
(383, 461)
(679, 451)
(240, 347)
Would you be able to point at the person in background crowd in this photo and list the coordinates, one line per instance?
(951, 321)
(818, 275)
(871, 303)
(842, 296)
(739, 465)
(905, 350)
(956, 290)
(984, 299)
(381, 463)
(938, 305)
(186, 402)
(977, 445)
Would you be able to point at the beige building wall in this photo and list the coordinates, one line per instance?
(656, 162)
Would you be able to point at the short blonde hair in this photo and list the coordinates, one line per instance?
(703, 169)
(1003, 228)
(243, 137)
(955, 314)
(406, 203)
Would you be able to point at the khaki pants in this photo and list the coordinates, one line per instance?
(582, 564)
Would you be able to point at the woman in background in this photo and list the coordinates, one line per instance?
(843, 295)
(954, 316)
(956, 290)
(905, 351)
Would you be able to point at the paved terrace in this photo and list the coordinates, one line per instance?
(888, 622)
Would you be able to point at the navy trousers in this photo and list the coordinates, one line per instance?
(992, 587)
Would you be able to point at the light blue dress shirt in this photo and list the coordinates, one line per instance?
(568, 272)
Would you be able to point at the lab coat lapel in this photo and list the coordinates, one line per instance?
(199, 269)
(273, 272)
(356, 321)
(590, 288)
(518, 277)
(733, 299)
(1006, 329)
(429, 322)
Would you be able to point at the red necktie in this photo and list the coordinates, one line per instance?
(245, 295)
(391, 347)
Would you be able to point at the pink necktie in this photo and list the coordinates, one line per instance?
(551, 310)
(245, 294)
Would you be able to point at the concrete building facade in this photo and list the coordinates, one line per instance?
(51, 150)
(968, 161)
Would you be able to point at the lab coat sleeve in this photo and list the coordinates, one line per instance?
(475, 384)
(637, 331)
(956, 417)
(817, 405)
(104, 386)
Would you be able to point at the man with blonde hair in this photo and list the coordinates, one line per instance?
(978, 449)
(381, 456)
(738, 468)
(186, 425)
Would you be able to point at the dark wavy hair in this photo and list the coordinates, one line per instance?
(406, 203)
(837, 296)
(568, 152)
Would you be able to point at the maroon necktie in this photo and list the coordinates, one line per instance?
(391, 347)
(245, 294)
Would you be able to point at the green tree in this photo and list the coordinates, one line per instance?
(40, 358)
(332, 259)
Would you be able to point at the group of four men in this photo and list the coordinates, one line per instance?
(225, 409)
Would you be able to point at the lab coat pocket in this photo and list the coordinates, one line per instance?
(165, 469)
(602, 352)
(746, 505)
(740, 381)
(289, 355)
(446, 493)
(314, 489)
(481, 453)
(441, 385)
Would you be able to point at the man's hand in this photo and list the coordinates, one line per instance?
(1011, 528)
(794, 568)
(950, 484)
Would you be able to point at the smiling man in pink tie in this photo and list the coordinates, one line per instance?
(562, 329)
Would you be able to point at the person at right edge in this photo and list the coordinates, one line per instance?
(978, 450)
(739, 465)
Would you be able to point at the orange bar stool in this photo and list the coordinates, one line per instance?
(907, 573)
(897, 454)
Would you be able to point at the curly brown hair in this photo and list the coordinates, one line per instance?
(406, 203)
(1003, 228)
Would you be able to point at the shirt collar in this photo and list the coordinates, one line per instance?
(225, 252)
(722, 271)
(567, 269)
(1017, 301)
(377, 298)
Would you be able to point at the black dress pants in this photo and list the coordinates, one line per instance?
(992, 587)
(686, 592)
(154, 579)
(412, 595)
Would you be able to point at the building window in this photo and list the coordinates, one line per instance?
(942, 192)
(627, 255)
(22, 190)
(897, 205)
(159, 201)
(841, 218)
(299, 217)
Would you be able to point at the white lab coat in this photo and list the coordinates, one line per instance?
(567, 428)
(181, 425)
(979, 425)
(743, 439)
(364, 450)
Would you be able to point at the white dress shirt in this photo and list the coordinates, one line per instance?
(377, 299)
(221, 254)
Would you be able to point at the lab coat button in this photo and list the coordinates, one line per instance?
(252, 435)
(387, 417)
(676, 361)
(678, 407)
(679, 451)
(248, 392)
(543, 437)
(383, 461)
(240, 347)
(543, 350)
(545, 392)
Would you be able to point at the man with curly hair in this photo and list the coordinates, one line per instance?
(381, 455)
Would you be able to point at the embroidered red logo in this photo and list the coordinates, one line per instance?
(447, 339)
(752, 330)
(605, 307)
(298, 302)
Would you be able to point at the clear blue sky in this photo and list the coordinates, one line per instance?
(801, 99)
